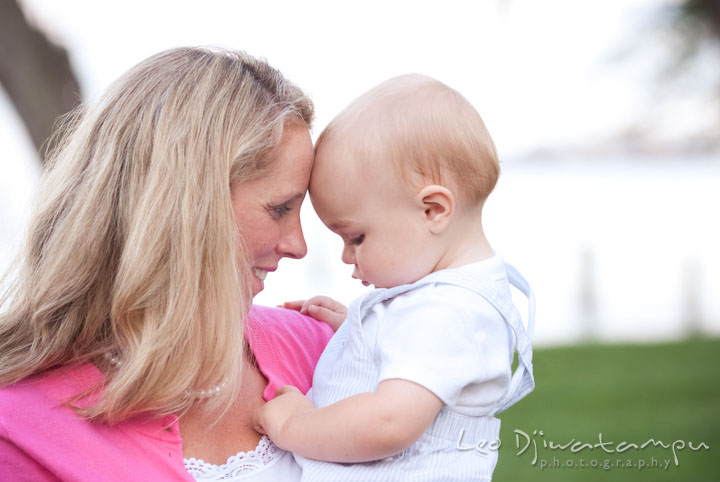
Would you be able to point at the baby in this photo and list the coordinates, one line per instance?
(409, 386)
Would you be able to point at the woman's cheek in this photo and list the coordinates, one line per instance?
(263, 242)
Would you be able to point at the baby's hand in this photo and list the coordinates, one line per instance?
(271, 418)
(322, 308)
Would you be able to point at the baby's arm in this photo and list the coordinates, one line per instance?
(360, 428)
(321, 308)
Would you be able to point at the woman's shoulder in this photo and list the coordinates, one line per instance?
(48, 389)
(42, 435)
(30, 406)
(287, 346)
(267, 321)
(34, 414)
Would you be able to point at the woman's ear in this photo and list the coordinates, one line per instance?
(438, 204)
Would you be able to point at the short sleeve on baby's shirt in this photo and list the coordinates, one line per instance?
(444, 338)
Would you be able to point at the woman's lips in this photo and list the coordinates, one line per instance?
(260, 274)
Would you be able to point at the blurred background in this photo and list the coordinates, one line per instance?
(606, 116)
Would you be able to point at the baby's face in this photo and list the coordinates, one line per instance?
(382, 225)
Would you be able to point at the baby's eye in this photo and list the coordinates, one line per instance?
(357, 240)
(280, 210)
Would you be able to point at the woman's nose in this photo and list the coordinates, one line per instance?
(292, 244)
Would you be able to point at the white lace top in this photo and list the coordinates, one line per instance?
(266, 463)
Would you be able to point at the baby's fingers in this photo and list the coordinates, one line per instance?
(327, 302)
(287, 389)
(257, 421)
(332, 318)
(293, 305)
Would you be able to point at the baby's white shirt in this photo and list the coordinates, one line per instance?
(450, 340)
(451, 332)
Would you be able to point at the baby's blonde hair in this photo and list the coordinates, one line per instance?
(428, 130)
(133, 251)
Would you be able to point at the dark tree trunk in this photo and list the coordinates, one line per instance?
(35, 73)
(704, 10)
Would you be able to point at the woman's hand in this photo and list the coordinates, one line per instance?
(271, 418)
(321, 308)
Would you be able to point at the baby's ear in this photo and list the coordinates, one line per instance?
(438, 204)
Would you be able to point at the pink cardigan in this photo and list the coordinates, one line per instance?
(43, 440)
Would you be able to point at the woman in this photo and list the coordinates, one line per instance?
(162, 211)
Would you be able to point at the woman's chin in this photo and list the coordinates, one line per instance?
(258, 285)
(258, 280)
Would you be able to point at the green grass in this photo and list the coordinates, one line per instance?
(629, 393)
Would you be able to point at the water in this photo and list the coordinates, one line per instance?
(615, 249)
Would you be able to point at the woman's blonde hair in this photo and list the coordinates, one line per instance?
(426, 130)
(133, 251)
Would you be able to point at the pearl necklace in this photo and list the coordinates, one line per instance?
(194, 394)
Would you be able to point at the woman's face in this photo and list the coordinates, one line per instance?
(267, 209)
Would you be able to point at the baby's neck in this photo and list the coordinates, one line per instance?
(467, 242)
(478, 250)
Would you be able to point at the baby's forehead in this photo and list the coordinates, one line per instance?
(349, 154)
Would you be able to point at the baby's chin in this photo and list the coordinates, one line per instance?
(392, 283)
(381, 284)
(390, 280)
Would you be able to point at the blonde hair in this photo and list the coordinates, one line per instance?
(133, 250)
(427, 130)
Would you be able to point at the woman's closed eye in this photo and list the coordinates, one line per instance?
(279, 210)
(357, 240)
